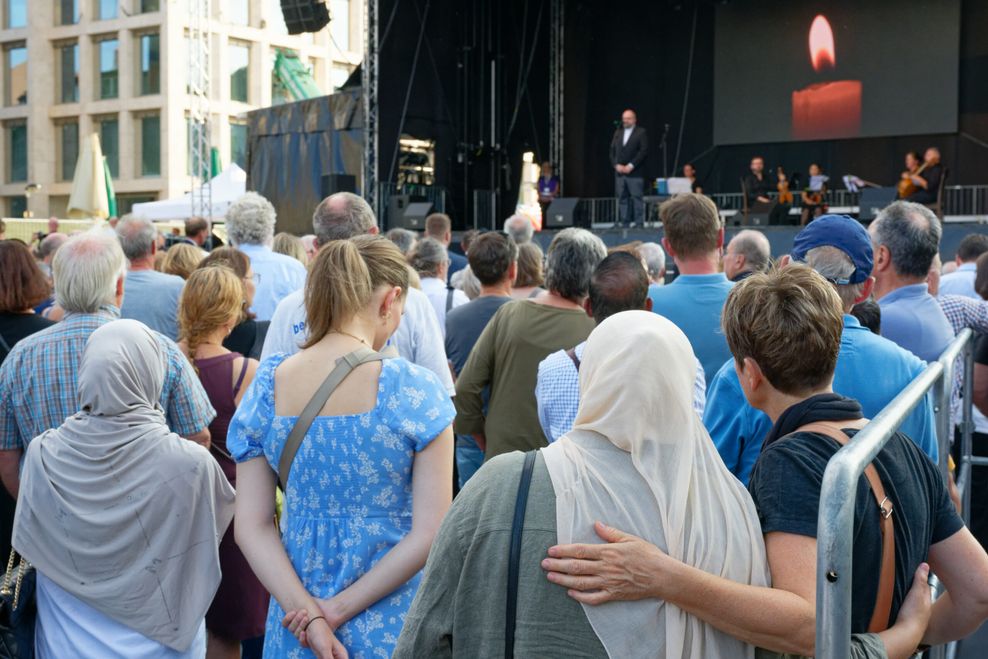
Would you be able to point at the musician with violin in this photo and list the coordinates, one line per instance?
(814, 195)
(920, 182)
(758, 187)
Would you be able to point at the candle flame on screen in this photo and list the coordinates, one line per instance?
(822, 44)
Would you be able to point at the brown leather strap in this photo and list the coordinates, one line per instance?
(886, 581)
(571, 353)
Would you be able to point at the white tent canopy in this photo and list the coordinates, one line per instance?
(228, 186)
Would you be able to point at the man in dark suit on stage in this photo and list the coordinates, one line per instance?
(629, 147)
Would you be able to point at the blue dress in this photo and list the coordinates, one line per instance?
(349, 495)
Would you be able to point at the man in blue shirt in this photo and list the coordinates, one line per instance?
(961, 281)
(906, 239)
(152, 296)
(693, 238)
(870, 369)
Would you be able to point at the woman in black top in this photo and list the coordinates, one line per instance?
(22, 287)
(247, 338)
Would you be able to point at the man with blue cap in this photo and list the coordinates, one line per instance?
(870, 369)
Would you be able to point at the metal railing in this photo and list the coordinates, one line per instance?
(839, 489)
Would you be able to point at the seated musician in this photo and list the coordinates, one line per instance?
(814, 195)
(927, 179)
(757, 187)
(689, 171)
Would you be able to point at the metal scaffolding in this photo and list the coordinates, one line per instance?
(557, 51)
(370, 103)
(199, 119)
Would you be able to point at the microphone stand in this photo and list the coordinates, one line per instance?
(662, 145)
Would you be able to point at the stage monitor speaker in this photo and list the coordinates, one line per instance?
(304, 15)
(560, 213)
(415, 214)
(333, 183)
(873, 200)
(756, 219)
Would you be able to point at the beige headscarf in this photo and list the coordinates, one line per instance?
(116, 509)
(639, 459)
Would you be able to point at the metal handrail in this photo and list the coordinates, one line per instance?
(835, 521)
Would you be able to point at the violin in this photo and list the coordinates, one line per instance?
(785, 196)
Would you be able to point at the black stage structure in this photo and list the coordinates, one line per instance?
(490, 79)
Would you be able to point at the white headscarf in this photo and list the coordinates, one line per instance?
(116, 509)
(639, 459)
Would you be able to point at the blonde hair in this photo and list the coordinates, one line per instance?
(289, 245)
(181, 260)
(789, 322)
(343, 278)
(211, 297)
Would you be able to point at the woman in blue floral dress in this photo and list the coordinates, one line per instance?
(371, 480)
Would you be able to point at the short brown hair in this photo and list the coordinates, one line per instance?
(196, 225)
(789, 322)
(490, 256)
(691, 224)
(22, 284)
(181, 259)
(343, 278)
(981, 278)
(437, 224)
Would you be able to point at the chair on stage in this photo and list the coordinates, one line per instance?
(755, 215)
(937, 206)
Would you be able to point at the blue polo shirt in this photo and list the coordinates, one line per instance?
(694, 303)
(913, 318)
(960, 282)
(870, 369)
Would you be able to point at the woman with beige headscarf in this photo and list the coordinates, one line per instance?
(121, 517)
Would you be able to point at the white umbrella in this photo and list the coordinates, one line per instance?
(89, 197)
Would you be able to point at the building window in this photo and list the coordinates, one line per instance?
(16, 13)
(150, 65)
(150, 145)
(68, 58)
(126, 202)
(109, 138)
(16, 78)
(68, 12)
(239, 71)
(17, 152)
(189, 146)
(109, 68)
(148, 6)
(106, 9)
(18, 206)
(238, 144)
(238, 11)
(68, 149)
(339, 26)
(275, 19)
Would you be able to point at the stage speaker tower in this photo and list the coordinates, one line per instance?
(304, 15)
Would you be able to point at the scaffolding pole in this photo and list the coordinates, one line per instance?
(199, 119)
(370, 103)
(557, 25)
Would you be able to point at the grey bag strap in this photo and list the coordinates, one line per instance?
(344, 366)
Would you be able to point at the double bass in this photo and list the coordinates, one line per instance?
(906, 185)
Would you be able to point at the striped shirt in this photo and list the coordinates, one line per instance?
(38, 382)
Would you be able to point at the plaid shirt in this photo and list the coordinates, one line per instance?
(962, 312)
(38, 382)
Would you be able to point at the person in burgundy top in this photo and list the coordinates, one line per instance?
(212, 304)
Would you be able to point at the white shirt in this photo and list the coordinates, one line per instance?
(435, 289)
(418, 339)
(627, 135)
(279, 276)
(68, 627)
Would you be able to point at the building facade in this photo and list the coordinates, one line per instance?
(119, 68)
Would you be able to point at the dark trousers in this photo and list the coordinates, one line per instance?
(630, 191)
(978, 485)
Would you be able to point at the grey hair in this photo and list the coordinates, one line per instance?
(403, 238)
(570, 261)
(86, 269)
(519, 228)
(428, 257)
(755, 248)
(51, 243)
(911, 233)
(137, 235)
(342, 216)
(833, 264)
(655, 259)
(250, 220)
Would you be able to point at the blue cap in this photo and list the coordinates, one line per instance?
(843, 232)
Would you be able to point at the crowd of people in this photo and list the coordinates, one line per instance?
(559, 452)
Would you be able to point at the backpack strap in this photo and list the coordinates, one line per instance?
(344, 366)
(514, 553)
(886, 580)
(571, 353)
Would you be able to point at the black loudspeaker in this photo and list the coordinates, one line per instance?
(415, 214)
(560, 213)
(396, 209)
(333, 183)
(756, 219)
(873, 200)
(304, 15)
